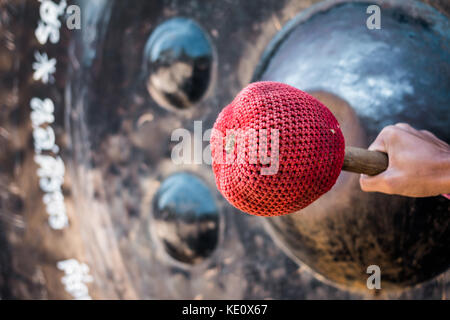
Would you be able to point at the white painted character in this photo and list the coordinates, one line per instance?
(42, 111)
(43, 67)
(48, 27)
(75, 279)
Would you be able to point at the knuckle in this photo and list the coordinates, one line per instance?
(403, 124)
(389, 128)
(390, 131)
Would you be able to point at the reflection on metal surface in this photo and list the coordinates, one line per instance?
(383, 74)
(186, 218)
(178, 63)
(397, 74)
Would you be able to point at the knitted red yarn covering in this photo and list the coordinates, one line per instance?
(311, 150)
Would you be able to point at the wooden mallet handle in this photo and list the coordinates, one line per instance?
(364, 161)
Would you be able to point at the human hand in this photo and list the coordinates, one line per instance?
(419, 163)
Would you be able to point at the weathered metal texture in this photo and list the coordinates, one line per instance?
(115, 141)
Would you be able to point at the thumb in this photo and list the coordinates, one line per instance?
(373, 183)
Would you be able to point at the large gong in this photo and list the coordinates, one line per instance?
(369, 79)
(104, 211)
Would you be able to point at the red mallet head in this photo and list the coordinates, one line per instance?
(275, 149)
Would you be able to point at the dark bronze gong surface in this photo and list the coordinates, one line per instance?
(397, 74)
(115, 140)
